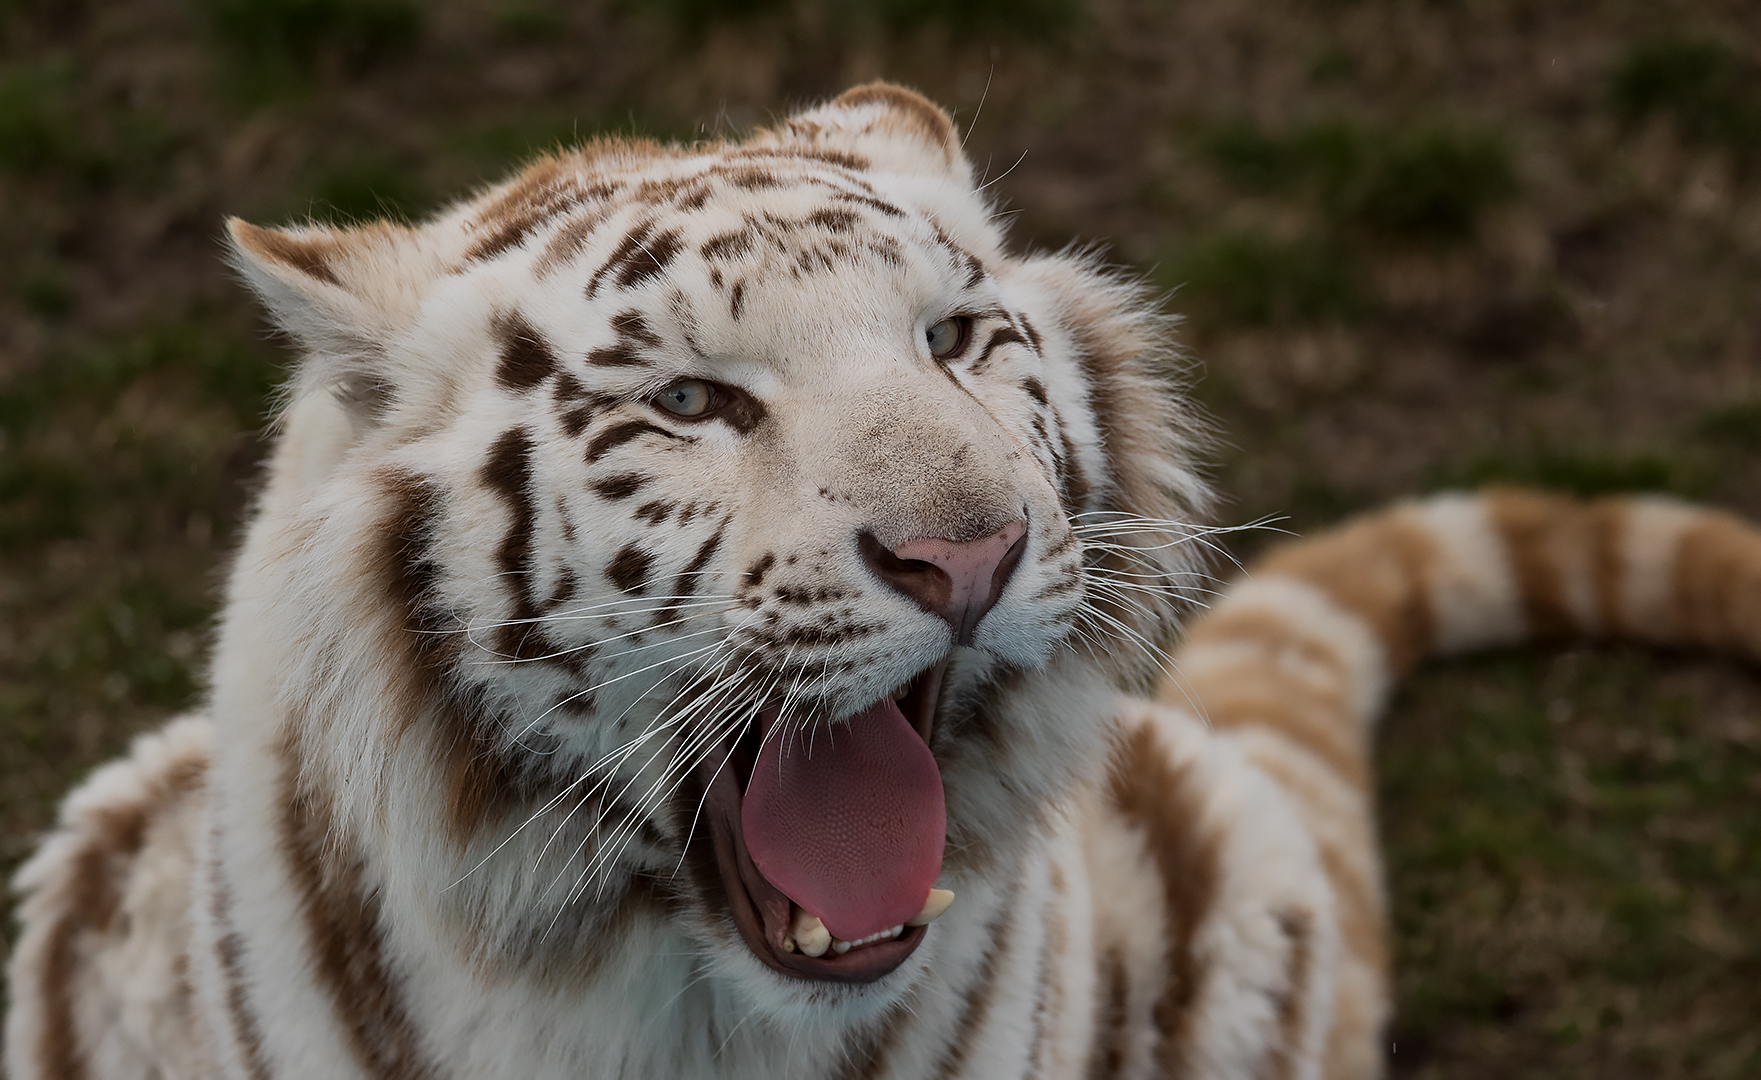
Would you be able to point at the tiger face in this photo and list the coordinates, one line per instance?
(750, 531)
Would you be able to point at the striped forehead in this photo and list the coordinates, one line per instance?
(720, 218)
(643, 272)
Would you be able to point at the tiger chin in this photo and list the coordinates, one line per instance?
(704, 616)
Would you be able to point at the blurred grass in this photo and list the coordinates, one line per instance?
(1249, 277)
(1709, 90)
(1430, 179)
(1416, 245)
(1031, 20)
(270, 43)
(1578, 471)
(1578, 852)
(1347, 191)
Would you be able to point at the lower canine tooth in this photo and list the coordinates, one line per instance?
(935, 905)
(809, 934)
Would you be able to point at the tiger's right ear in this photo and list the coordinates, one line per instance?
(895, 129)
(342, 294)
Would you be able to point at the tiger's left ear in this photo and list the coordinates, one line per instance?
(886, 126)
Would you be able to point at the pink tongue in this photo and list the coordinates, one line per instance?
(848, 822)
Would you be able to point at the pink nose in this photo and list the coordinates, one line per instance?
(959, 581)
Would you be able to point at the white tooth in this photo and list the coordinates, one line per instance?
(935, 905)
(788, 944)
(840, 947)
(809, 934)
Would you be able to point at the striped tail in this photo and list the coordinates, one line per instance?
(1296, 661)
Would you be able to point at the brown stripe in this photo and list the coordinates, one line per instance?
(1158, 796)
(651, 260)
(1717, 584)
(540, 194)
(1048, 1005)
(1132, 409)
(89, 906)
(1609, 519)
(1258, 691)
(1379, 568)
(568, 242)
(1537, 530)
(629, 569)
(479, 782)
(914, 111)
(526, 358)
(1107, 1053)
(1298, 926)
(1002, 335)
(981, 995)
(343, 926)
(90, 899)
(623, 256)
(686, 583)
(229, 948)
(620, 433)
(309, 255)
(1356, 886)
(621, 486)
(1260, 698)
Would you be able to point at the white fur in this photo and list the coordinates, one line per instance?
(1649, 542)
(1363, 679)
(1473, 591)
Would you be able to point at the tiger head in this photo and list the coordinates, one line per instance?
(732, 540)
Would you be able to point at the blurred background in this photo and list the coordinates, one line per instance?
(1417, 243)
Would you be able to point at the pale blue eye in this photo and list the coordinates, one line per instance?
(944, 338)
(687, 397)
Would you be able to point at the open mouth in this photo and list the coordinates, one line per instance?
(829, 837)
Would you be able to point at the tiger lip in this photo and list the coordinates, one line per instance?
(766, 918)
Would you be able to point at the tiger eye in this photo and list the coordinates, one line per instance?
(687, 397)
(944, 338)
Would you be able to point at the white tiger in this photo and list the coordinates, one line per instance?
(681, 569)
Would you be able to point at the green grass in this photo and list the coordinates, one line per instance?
(273, 49)
(848, 20)
(529, 23)
(1430, 179)
(1579, 471)
(80, 460)
(121, 465)
(1343, 192)
(44, 293)
(1575, 851)
(1249, 277)
(366, 188)
(1435, 180)
(1737, 425)
(299, 33)
(1709, 91)
(36, 122)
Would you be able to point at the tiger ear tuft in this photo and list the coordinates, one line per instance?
(341, 294)
(310, 251)
(895, 128)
